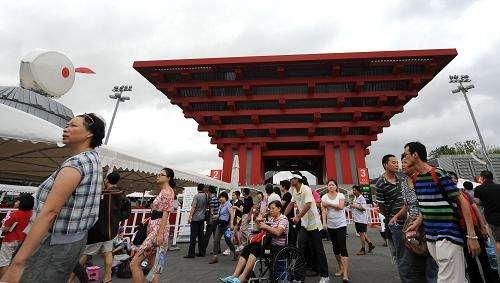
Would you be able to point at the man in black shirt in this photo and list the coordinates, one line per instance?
(489, 194)
(286, 198)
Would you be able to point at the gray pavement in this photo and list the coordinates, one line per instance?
(375, 267)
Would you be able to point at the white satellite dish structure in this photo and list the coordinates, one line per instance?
(49, 73)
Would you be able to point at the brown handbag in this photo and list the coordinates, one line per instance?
(415, 240)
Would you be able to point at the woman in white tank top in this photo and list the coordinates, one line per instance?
(335, 222)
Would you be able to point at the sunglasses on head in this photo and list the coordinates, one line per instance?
(89, 117)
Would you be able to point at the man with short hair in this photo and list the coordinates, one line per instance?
(271, 195)
(196, 220)
(308, 215)
(390, 201)
(358, 210)
(489, 195)
(438, 197)
(213, 204)
(286, 198)
(101, 235)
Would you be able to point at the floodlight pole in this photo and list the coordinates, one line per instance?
(118, 90)
(460, 80)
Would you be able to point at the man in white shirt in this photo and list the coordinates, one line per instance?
(358, 210)
(308, 215)
(271, 195)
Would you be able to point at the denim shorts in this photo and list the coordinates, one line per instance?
(52, 263)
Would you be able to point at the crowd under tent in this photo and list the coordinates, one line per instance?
(31, 150)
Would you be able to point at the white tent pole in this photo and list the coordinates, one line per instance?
(142, 199)
(176, 227)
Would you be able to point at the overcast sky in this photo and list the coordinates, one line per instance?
(108, 36)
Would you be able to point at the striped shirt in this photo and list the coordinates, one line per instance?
(214, 206)
(440, 219)
(389, 195)
(280, 221)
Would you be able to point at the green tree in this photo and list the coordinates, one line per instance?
(462, 147)
(466, 147)
(494, 150)
(443, 150)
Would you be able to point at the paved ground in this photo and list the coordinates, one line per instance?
(373, 267)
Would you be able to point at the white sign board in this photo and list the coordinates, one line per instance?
(187, 199)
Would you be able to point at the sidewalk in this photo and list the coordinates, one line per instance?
(369, 268)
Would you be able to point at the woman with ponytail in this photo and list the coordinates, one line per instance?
(158, 226)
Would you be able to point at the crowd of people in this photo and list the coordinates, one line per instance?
(438, 232)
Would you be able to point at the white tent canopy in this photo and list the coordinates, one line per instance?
(460, 183)
(30, 151)
(146, 194)
(18, 189)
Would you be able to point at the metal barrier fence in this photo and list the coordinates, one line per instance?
(139, 214)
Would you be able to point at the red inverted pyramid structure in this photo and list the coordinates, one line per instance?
(315, 112)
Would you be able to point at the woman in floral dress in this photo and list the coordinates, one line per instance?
(158, 226)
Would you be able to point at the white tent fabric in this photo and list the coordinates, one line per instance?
(19, 129)
(17, 189)
(235, 172)
(18, 125)
(460, 183)
(147, 194)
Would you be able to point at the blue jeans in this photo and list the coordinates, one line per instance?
(412, 267)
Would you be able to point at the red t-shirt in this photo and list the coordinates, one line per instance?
(21, 217)
(316, 196)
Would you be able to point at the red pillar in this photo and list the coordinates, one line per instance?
(330, 169)
(346, 164)
(359, 153)
(242, 157)
(256, 173)
(227, 166)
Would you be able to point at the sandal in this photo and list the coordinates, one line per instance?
(215, 259)
(338, 274)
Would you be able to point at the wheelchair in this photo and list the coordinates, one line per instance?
(287, 264)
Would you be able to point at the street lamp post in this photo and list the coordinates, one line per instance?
(464, 89)
(118, 90)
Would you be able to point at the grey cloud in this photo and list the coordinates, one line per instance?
(109, 36)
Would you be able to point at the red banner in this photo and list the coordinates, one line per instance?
(216, 174)
(363, 177)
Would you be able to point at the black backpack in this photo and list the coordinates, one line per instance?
(122, 270)
(125, 208)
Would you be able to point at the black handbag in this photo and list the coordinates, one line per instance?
(141, 234)
(208, 212)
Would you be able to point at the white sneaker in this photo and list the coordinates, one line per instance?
(324, 280)
(227, 252)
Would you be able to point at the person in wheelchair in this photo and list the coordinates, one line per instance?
(276, 228)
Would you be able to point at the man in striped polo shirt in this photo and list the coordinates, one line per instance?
(390, 202)
(439, 201)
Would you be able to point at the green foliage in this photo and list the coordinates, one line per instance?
(462, 147)
(494, 150)
(466, 147)
(443, 150)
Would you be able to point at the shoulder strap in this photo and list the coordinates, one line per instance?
(434, 176)
(436, 181)
(413, 177)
